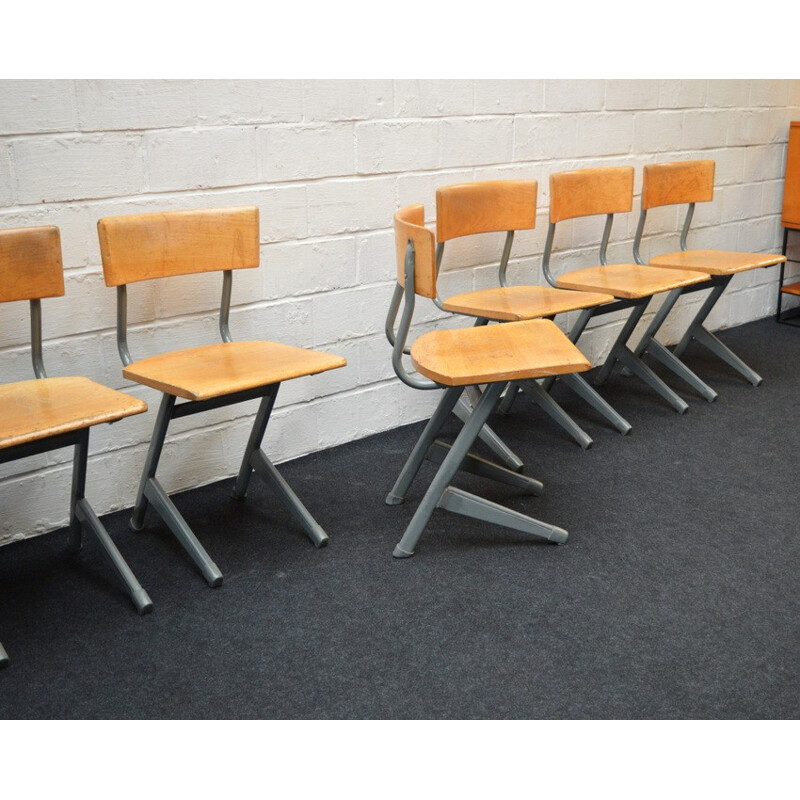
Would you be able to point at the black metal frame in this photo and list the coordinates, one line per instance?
(786, 317)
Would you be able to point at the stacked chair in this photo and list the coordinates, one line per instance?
(607, 191)
(452, 360)
(690, 182)
(45, 414)
(495, 206)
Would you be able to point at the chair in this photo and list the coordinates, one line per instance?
(452, 360)
(609, 190)
(491, 206)
(147, 246)
(46, 414)
(693, 182)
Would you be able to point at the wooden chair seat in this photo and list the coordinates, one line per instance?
(716, 262)
(629, 281)
(513, 303)
(38, 409)
(200, 373)
(498, 353)
(791, 288)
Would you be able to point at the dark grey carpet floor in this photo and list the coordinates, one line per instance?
(677, 596)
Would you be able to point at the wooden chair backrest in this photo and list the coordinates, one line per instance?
(485, 206)
(677, 182)
(30, 263)
(139, 247)
(409, 223)
(585, 192)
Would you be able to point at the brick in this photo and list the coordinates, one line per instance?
(306, 151)
(622, 95)
(53, 168)
(658, 131)
(200, 158)
(300, 268)
(397, 146)
(432, 98)
(753, 128)
(247, 102)
(481, 140)
(544, 137)
(728, 93)
(7, 189)
(334, 100)
(339, 206)
(571, 95)
(37, 106)
(683, 93)
(773, 93)
(605, 134)
(509, 96)
(105, 105)
(705, 129)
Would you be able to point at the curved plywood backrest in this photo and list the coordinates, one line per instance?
(677, 182)
(30, 263)
(585, 192)
(409, 223)
(485, 206)
(139, 247)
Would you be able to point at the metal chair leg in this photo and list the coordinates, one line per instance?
(442, 495)
(414, 461)
(254, 442)
(83, 515)
(4, 659)
(463, 411)
(581, 387)
(539, 396)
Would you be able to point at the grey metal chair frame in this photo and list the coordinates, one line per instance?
(629, 358)
(455, 457)
(696, 330)
(151, 492)
(82, 515)
(539, 391)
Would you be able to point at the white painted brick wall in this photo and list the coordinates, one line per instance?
(327, 163)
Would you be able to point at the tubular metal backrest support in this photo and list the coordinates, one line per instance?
(30, 269)
(464, 209)
(674, 183)
(585, 193)
(141, 247)
(416, 245)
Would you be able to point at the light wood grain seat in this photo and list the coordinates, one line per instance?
(453, 360)
(608, 191)
(37, 416)
(515, 303)
(509, 206)
(791, 288)
(153, 246)
(46, 407)
(716, 262)
(691, 182)
(512, 352)
(215, 370)
(629, 281)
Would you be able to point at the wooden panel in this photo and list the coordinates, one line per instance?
(791, 186)
(716, 262)
(199, 373)
(585, 192)
(30, 264)
(522, 302)
(677, 182)
(629, 281)
(38, 409)
(467, 208)
(791, 288)
(512, 351)
(139, 247)
(409, 223)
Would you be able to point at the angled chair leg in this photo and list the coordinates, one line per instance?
(151, 491)
(581, 387)
(255, 459)
(463, 410)
(450, 466)
(703, 336)
(414, 461)
(649, 344)
(507, 400)
(539, 396)
(4, 659)
(83, 515)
